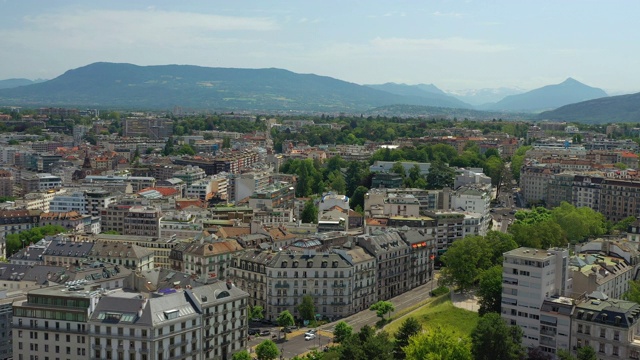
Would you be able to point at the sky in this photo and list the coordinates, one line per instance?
(452, 44)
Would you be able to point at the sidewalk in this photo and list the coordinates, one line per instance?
(467, 301)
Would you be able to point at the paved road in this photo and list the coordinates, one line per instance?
(367, 317)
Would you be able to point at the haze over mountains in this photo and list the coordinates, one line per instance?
(127, 86)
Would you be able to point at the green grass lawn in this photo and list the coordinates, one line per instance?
(440, 312)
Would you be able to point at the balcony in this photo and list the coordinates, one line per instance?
(282, 285)
(340, 285)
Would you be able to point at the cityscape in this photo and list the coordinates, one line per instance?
(299, 181)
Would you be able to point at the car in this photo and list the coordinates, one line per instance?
(311, 332)
(265, 333)
(492, 210)
(289, 329)
(513, 212)
(253, 331)
(310, 336)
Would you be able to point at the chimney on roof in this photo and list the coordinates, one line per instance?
(229, 284)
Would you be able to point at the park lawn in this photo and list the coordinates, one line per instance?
(441, 313)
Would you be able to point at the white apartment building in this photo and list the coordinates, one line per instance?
(241, 186)
(200, 189)
(529, 277)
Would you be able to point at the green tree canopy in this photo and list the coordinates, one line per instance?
(17, 241)
(242, 355)
(540, 235)
(490, 290)
(465, 260)
(409, 327)
(357, 198)
(579, 223)
(342, 331)
(494, 339)
(309, 213)
(307, 309)
(285, 319)
(440, 175)
(367, 345)
(438, 344)
(256, 312)
(267, 350)
(382, 308)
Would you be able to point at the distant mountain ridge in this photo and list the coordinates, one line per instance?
(429, 92)
(621, 108)
(479, 97)
(13, 83)
(164, 86)
(548, 97)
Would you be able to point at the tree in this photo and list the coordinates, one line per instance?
(337, 183)
(565, 355)
(494, 339)
(586, 353)
(499, 243)
(267, 350)
(226, 142)
(256, 312)
(465, 260)
(490, 290)
(309, 213)
(440, 175)
(242, 355)
(307, 309)
(357, 198)
(382, 308)
(410, 327)
(623, 224)
(538, 354)
(168, 147)
(438, 344)
(342, 331)
(285, 319)
(17, 241)
(541, 235)
(186, 149)
(367, 345)
(579, 223)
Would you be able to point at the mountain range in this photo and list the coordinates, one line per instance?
(548, 97)
(127, 86)
(12, 83)
(621, 108)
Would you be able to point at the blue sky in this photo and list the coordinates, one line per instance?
(452, 44)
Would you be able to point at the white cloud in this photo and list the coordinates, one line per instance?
(93, 29)
(447, 14)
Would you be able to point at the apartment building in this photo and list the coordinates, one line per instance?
(128, 255)
(210, 259)
(450, 226)
(6, 184)
(72, 221)
(529, 277)
(190, 174)
(142, 221)
(63, 252)
(52, 322)
(15, 221)
(82, 320)
(610, 326)
(6, 319)
(153, 128)
(180, 225)
(534, 180)
(364, 279)
(327, 277)
(596, 272)
(393, 262)
(161, 247)
(555, 324)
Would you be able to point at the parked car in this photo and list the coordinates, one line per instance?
(289, 329)
(253, 331)
(265, 333)
(309, 336)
